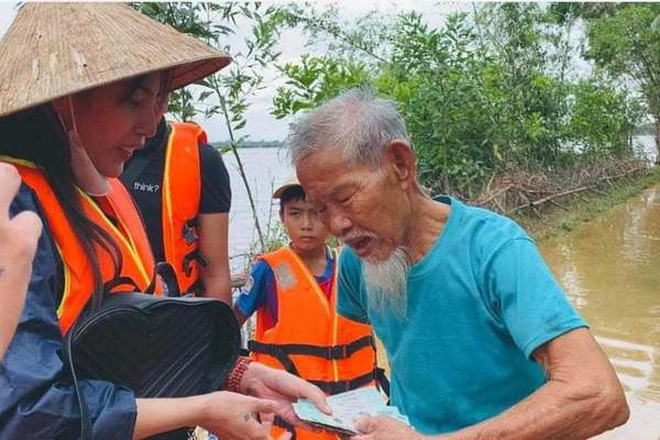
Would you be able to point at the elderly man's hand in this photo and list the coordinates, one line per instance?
(384, 428)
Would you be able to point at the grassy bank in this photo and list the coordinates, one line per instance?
(576, 210)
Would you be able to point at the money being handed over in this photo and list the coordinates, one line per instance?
(346, 407)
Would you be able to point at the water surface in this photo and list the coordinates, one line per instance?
(610, 270)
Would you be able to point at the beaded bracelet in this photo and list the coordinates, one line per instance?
(233, 381)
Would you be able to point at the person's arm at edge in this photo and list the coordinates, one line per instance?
(161, 415)
(256, 292)
(213, 238)
(214, 206)
(18, 238)
(225, 411)
(240, 317)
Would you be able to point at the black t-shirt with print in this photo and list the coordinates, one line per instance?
(145, 187)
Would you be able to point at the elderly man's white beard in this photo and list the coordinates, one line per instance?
(386, 283)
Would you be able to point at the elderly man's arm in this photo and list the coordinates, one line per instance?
(581, 398)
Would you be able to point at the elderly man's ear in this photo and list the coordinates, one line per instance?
(401, 159)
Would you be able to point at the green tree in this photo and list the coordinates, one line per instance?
(490, 92)
(626, 43)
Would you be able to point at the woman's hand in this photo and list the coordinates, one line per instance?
(230, 416)
(233, 416)
(283, 388)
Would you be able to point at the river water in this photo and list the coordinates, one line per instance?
(268, 167)
(265, 168)
(609, 268)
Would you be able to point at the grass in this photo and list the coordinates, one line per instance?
(585, 208)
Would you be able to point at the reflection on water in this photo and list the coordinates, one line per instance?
(610, 269)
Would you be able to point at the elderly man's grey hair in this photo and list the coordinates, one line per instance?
(357, 122)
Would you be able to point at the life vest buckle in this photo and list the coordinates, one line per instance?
(338, 352)
(189, 234)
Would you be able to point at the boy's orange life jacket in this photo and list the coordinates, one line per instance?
(117, 215)
(181, 192)
(310, 339)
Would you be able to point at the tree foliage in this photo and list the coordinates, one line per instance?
(490, 92)
(625, 42)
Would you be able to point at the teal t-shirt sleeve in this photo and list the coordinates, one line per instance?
(351, 303)
(526, 297)
(254, 294)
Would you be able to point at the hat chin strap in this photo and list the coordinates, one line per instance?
(87, 176)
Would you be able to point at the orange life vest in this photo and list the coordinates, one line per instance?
(181, 192)
(310, 339)
(127, 231)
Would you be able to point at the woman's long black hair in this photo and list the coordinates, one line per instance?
(37, 135)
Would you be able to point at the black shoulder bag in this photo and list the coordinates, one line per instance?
(155, 346)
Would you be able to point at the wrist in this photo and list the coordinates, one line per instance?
(252, 376)
(234, 381)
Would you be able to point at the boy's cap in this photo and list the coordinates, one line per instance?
(288, 183)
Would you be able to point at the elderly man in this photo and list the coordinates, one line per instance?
(481, 340)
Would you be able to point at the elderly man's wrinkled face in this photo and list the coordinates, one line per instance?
(365, 207)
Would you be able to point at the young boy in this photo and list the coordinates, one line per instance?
(293, 291)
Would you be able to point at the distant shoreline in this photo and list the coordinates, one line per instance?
(224, 145)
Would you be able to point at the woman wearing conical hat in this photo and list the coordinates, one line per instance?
(79, 87)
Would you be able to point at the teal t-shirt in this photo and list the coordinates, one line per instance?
(479, 303)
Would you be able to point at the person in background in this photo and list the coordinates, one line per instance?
(481, 340)
(293, 292)
(18, 242)
(80, 87)
(181, 187)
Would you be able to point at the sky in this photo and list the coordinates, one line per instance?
(260, 124)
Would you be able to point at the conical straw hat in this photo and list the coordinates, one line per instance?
(56, 49)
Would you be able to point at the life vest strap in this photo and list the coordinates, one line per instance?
(334, 352)
(120, 281)
(279, 421)
(341, 386)
(189, 231)
(276, 351)
(194, 255)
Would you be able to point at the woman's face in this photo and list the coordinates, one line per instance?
(114, 120)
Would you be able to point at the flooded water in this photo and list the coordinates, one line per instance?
(265, 168)
(610, 270)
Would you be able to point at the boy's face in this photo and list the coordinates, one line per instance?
(302, 223)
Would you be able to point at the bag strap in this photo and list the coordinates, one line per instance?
(85, 422)
(166, 271)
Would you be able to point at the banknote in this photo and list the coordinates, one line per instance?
(346, 408)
